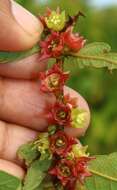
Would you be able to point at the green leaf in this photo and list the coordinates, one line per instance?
(36, 174)
(6, 57)
(96, 55)
(95, 48)
(9, 182)
(28, 152)
(104, 170)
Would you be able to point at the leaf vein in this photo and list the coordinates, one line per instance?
(103, 175)
(96, 59)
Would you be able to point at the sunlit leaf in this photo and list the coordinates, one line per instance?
(96, 55)
(9, 182)
(104, 170)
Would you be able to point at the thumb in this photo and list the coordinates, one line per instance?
(19, 29)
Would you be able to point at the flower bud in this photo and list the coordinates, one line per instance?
(42, 143)
(56, 21)
(79, 151)
(79, 118)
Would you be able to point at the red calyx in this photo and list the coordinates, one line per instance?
(69, 171)
(55, 44)
(81, 168)
(53, 80)
(73, 41)
(72, 101)
(60, 114)
(63, 171)
(61, 144)
(52, 46)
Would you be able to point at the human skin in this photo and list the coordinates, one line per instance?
(21, 102)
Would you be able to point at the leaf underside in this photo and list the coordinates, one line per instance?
(104, 170)
(96, 55)
(6, 57)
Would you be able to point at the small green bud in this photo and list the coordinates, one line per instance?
(52, 129)
(56, 21)
(70, 155)
(79, 150)
(42, 143)
(79, 118)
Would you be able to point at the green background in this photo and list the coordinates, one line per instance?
(99, 87)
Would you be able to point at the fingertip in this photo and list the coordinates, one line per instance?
(11, 168)
(20, 30)
(25, 19)
(27, 68)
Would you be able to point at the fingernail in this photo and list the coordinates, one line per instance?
(25, 19)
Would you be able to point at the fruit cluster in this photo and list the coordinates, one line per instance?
(69, 158)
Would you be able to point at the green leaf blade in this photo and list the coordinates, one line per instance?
(104, 170)
(9, 182)
(28, 152)
(6, 57)
(36, 174)
(95, 48)
(96, 55)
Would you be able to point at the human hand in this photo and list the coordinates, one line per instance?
(21, 102)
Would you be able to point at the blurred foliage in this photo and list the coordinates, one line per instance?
(99, 87)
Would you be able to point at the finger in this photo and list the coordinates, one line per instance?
(11, 168)
(22, 103)
(19, 29)
(11, 138)
(27, 68)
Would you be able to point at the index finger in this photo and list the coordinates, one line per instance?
(19, 29)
